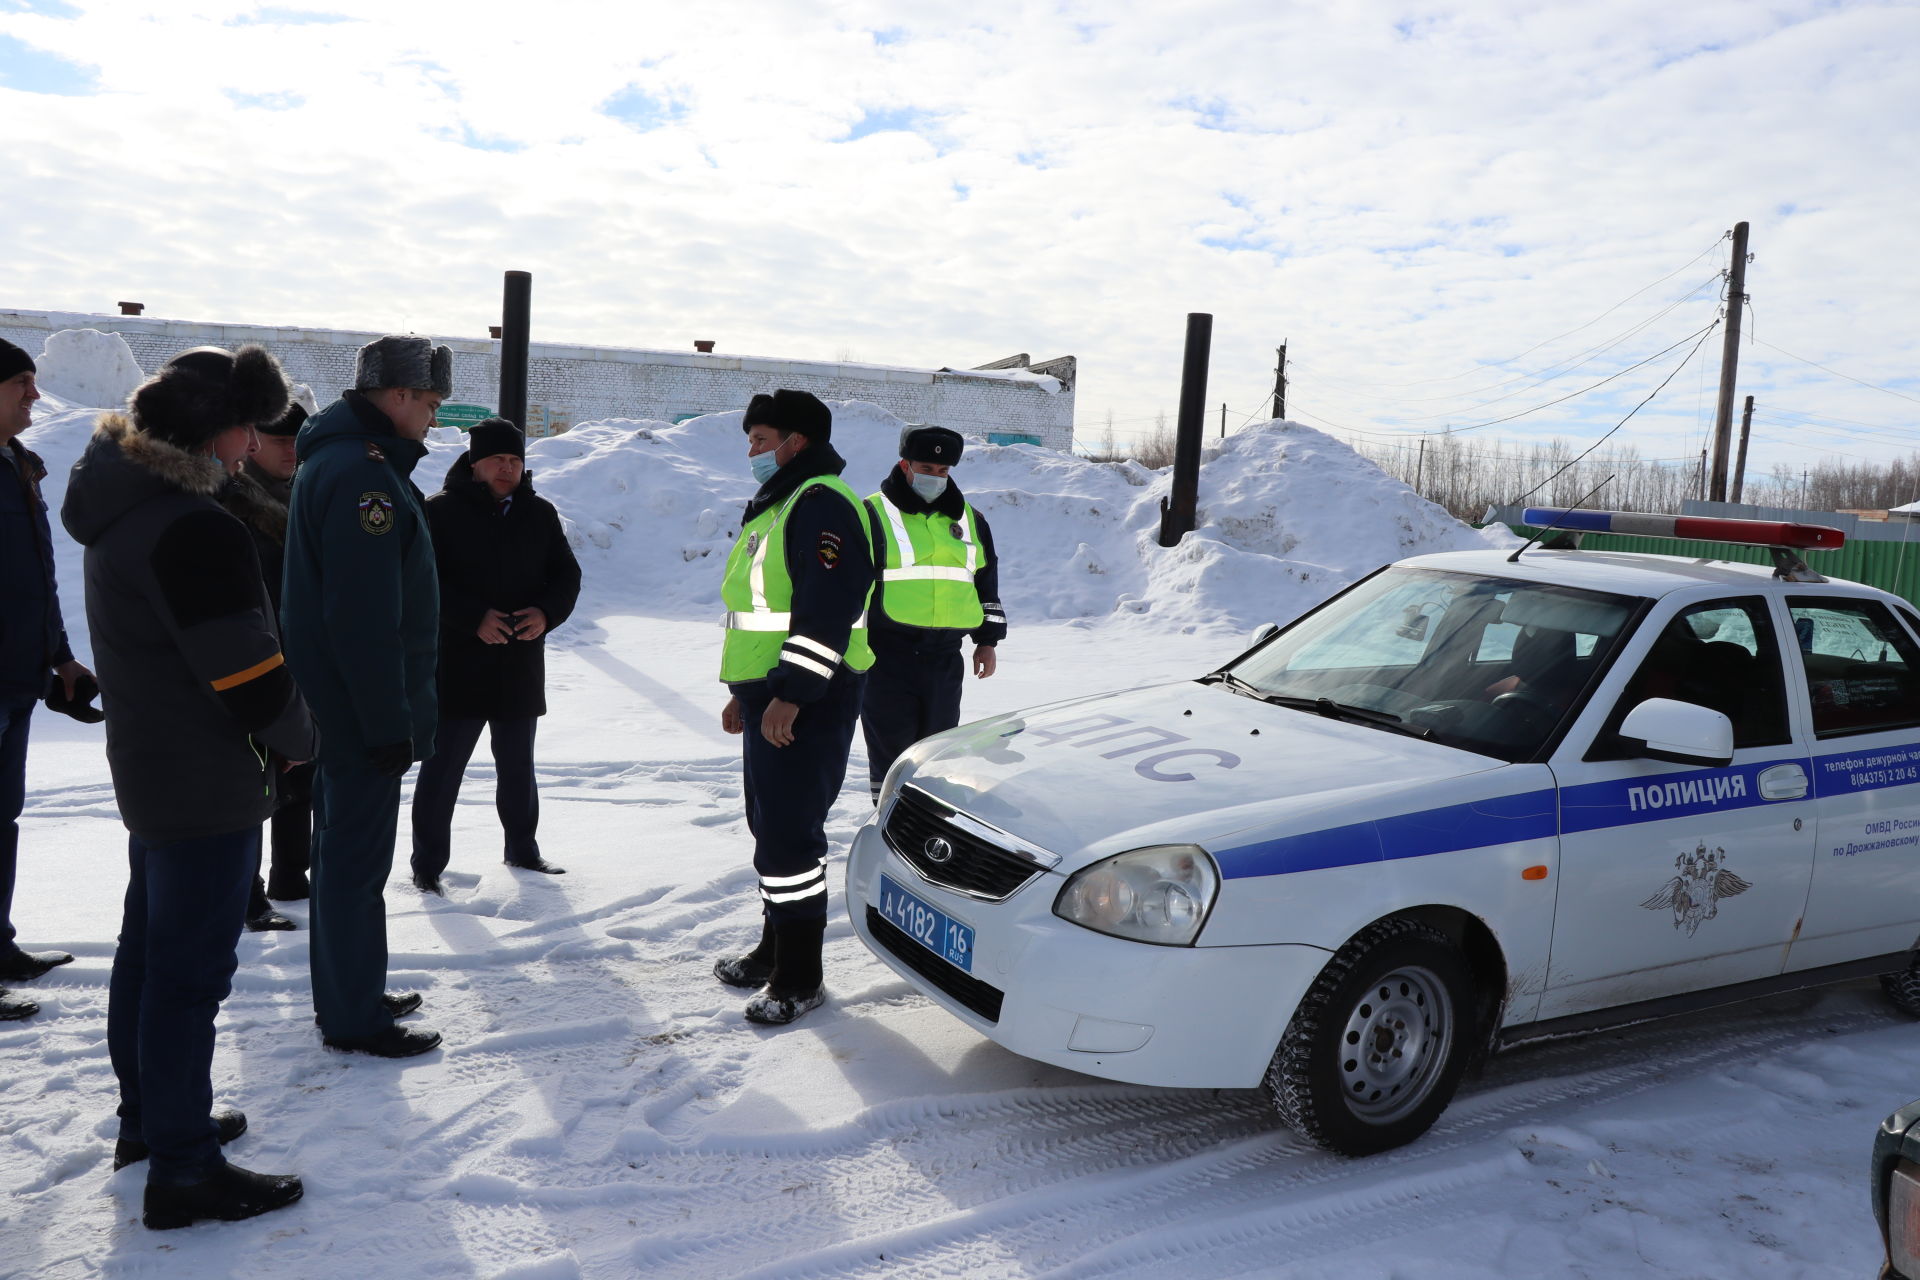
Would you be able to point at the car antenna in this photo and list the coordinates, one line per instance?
(1566, 541)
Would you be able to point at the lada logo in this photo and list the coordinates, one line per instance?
(937, 850)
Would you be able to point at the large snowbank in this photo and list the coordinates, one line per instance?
(85, 366)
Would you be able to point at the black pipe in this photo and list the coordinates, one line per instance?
(1177, 513)
(515, 309)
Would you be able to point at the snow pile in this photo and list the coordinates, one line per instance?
(86, 366)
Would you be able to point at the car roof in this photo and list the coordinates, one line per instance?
(1623, 573)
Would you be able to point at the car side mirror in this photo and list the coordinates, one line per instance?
(1262, 633)
(1680, 732)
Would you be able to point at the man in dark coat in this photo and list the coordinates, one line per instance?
(507, 578)
(196, 694)
(361, 609)
(33, 649)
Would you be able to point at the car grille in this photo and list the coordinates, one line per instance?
(976, 867)
(964, 987)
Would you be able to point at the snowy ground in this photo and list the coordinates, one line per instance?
(601, 1109)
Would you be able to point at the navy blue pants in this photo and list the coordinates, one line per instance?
(186, 901)
(515, 797)
(909, 696)
(292, 822)
(789, 791)
(14, 719)
(356, 813)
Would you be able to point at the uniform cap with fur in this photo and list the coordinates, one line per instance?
(800, 411)
(931, 444)
(202, 392)
(404, 360)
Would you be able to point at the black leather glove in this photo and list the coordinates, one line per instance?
(80, 707)
(392, 760)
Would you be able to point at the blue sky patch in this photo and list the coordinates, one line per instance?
(640, 110)
(892, 120)
(890, 35)
(275, 16)
(466, 137)
(266, 101)
(45, 8)
(36, 71)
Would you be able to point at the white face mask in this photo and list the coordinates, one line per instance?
(929, 487)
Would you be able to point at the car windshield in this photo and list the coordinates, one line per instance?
(1490, 665)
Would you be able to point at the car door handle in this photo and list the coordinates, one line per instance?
(1783, 782)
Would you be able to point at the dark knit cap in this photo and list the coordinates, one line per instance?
(404, 360)
(288, 423)
(800, 411)
(931, 444)
(759, 412)
(495, 435)
(200, 393)
(15, 361)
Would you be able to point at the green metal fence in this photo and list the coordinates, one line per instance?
(1891, 566)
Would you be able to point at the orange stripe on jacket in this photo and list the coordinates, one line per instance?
(253, 672)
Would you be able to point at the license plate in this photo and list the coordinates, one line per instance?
(929, 926)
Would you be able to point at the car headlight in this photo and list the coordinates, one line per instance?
(1159, 895)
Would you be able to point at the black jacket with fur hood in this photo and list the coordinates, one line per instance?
(188, 656)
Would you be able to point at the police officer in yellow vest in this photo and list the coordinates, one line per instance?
(939, 581)
(795, 661)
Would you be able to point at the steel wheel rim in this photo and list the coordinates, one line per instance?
(1397, 1037)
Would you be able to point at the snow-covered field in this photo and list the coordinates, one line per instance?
(601, 1109)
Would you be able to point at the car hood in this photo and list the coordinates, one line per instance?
(1180, 763)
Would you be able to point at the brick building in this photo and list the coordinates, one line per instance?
(1008, 401)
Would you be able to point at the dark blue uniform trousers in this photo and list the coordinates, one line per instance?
(910, 695)
(186, 901)
(14, 720)
(789, 791)
(515, 797)
(356, 813)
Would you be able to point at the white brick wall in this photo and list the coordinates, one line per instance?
(575, 384)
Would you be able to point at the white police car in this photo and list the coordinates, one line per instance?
(1475, 799)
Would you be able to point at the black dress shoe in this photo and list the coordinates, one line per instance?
(290, 887)
(12, 1010)
(394, 1042)
(228, 1196)
(541, 865)
(265, 921)
(25, 966)
(397, 1004)
(227, 1122)
(428, 884)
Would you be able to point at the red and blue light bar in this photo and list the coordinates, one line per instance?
(1759, 533)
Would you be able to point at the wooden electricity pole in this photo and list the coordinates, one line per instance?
(1729, 364)
(1740, 465)
(1280, 382)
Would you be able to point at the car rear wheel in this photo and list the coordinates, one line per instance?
(1903, 989)
(1376, 1047)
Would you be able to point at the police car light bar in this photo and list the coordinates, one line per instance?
(1759, 533)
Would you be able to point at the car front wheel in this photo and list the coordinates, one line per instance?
(1376, 1047)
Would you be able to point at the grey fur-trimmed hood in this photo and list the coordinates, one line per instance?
(123, 467)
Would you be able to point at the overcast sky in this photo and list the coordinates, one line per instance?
(1452, 212)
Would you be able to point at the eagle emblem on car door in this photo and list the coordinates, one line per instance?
(1700, 880)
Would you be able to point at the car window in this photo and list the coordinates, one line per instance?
(1721, 655)
(1493, 665)
(1860, 665)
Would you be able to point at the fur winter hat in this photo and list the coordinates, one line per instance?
(200, 393)
(759, 413)
(15, 361)
(931, 444)
(800, 411)
(302, 408)
(495, 435)
(404, 360)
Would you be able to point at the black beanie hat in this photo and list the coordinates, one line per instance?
(800, 411)
(494, 435)
(931, 444)
(14, 361)
(759, 412)
(200, 393)
(288, 423)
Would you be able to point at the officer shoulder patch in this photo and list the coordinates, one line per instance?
(376, 511)
(828, 549)
(375, 453)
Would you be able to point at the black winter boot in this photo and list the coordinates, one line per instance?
(12, 1010)
(227, 1122)
(752, 969)
(228, 1196)
(261, 916)
(796, 984)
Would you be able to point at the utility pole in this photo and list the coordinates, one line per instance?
(1223, 422)
(1280, 381)
(1700, 476)
(1740, 467)
(1729, 363)
(1177, 511)
(1420, 466)
(516, 307)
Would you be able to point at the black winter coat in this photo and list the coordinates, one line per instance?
(509, 562)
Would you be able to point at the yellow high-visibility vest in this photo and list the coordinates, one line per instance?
(758, 593)
(929, 568)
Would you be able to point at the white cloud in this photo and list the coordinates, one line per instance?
(1404, 192)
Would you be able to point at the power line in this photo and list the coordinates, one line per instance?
(1836, 373)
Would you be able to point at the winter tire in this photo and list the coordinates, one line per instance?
(1903, 988)
(1376, 1047)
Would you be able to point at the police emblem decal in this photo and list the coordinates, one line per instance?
(958, 530)
(753, 543)
(376, 512)
(938, 851)
(828, 549)
(1694, 892)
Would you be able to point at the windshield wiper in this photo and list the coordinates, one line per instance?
(1347, 711)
